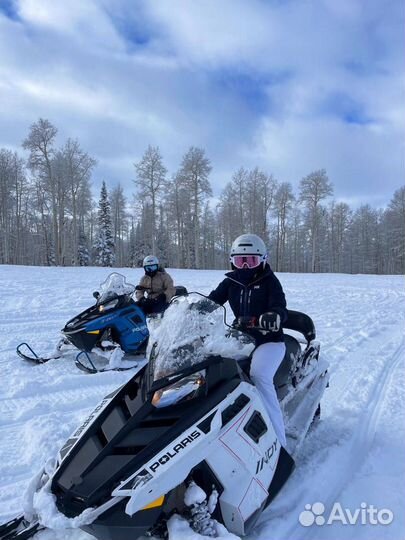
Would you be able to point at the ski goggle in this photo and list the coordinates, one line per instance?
(151, 267)
(246, 261)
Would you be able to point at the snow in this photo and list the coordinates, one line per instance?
(354, 455)
(194, 495)
(183, 326)
(179, 529)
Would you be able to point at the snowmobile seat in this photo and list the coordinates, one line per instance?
(302, 323)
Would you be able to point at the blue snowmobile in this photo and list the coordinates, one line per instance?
(112, 328)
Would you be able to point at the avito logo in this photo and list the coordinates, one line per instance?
(364, 515)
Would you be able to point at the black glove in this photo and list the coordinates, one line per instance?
(141, 301)
(141, 288)
(270, 321)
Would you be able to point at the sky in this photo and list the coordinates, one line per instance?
(290, 86)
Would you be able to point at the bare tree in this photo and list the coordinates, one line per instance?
(313, 189)
(340, 217)
(40, 143)
(6, 204)
(236, 194)
(119, 218)
(79, 166)
(283, 202)
(151, 177)
(193, 177)
(395, 218)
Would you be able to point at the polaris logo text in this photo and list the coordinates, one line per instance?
(140, 328)
(175, 450)
(267, 457)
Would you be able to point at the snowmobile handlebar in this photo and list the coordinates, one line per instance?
(141, 288)
(244, 324)
(247, 322)
(241, 328)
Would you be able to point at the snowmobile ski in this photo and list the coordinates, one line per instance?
(92, 368)
(19, 529)
(34, 358)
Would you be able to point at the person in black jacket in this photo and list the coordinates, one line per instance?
(257, 300)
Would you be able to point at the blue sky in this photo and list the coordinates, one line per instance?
(291, 86)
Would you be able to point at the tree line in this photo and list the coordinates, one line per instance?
(48, 215)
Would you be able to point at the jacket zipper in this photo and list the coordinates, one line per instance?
(245, 295)
(249, 295)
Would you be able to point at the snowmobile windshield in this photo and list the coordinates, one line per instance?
(114, 286)
(192, 328)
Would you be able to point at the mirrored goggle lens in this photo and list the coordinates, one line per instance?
(246, 261)
(151, 267)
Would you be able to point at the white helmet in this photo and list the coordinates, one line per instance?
(249, 244)
(150, 260)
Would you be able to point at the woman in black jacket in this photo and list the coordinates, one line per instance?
(258, 303)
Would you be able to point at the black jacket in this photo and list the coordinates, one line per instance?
(264, 293)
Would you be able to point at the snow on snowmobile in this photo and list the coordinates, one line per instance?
(113, 327)
(190, 418)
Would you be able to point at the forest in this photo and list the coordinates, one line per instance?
(50, 214)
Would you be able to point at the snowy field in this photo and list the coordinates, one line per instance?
(355, 455)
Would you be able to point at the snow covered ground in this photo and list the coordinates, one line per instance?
(355, 455)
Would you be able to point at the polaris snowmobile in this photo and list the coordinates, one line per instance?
(115, 326)
(189, 417)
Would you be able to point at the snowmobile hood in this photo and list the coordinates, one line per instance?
(127, 432)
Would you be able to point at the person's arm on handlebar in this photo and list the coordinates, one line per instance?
(220, 294)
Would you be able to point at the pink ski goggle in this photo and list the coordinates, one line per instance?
(246, 261)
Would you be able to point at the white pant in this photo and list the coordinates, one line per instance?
(265, 362)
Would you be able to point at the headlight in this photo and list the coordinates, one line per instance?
(108, 305)
(185, 389)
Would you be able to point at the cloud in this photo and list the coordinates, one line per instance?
(289, 86)
(357, 158)
(79, 20)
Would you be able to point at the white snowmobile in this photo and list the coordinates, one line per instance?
(190, 417)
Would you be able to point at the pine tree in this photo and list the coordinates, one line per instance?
(104, 245)
(83, 255)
